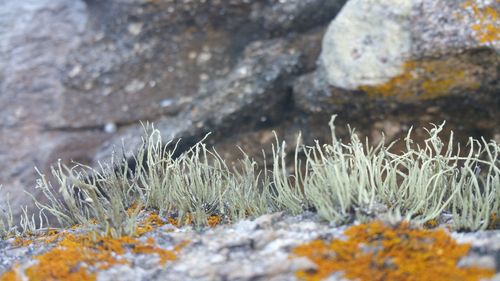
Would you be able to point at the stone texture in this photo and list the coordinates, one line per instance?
(381, 46)
(258, 249)
(35, 38)
(366, 43)
(253, 90)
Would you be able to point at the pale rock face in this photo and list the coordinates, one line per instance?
(370, 42)
(367, 42)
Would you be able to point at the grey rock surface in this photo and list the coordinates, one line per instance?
(35, 38)
(258, 249)
(257, 84)
(371, 42)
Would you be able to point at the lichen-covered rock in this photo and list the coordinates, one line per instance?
(414, 50)
(266, 248)
(76, 77)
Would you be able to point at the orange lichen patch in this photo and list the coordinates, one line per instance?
(75, 226)
(433, 223)
(79, 257)
(150, 248)
(173, 221)
(22, 242)
(427, 79)
(213, 220)
(10, 275)
(62, 263)
(150, 223)
(376, 251)
(486, 28)
(51, 238)
(133, 208)
(48, 236)
(177, 222)
(52, 232)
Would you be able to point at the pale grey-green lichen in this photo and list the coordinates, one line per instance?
(341, 181)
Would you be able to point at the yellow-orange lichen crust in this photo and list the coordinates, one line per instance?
(375, 251)
(80, 257)
(10, 275)
(494, 221)
(427, 79)
(188, 219)
(213, 220)
(74, 255)
(486, 26)
(150, 223)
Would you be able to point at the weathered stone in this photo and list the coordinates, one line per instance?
(168, 49)
(241, 251)
(257, 84)
(413, 50)
(35, 38)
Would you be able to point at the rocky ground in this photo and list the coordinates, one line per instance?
(257, 249)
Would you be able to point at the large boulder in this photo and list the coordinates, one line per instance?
(413, 50)
(410, 63)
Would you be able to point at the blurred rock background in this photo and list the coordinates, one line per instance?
(78, 76)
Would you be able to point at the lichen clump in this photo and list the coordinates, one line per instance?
(376, 251)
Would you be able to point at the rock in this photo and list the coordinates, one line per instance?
(78, 76)
(35, 38)
(410, 51)
(231, 252)
(256, 84)
(366, 43)
(413, 50)
(168, 50)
